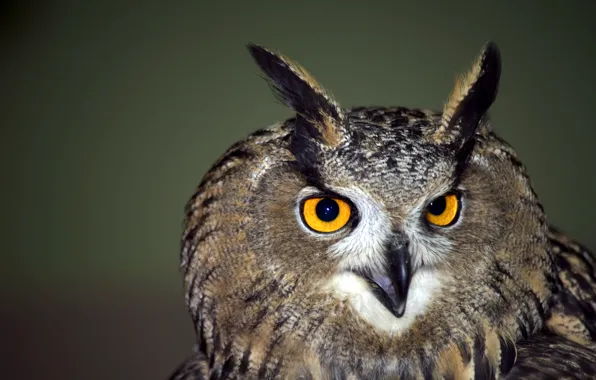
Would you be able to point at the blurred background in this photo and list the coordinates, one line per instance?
(111, 112)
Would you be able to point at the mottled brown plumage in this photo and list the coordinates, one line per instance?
(549, 356)
(272, 298)
(573, 307)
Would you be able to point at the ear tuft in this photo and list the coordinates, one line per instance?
(471, 98)
(297, 89)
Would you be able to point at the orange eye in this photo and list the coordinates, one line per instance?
(444, 210)
(326, 214)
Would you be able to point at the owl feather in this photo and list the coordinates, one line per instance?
(381, 243)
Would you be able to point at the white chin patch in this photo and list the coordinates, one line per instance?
(425, 285)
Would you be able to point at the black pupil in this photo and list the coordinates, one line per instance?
(327, 210)
(437, 207)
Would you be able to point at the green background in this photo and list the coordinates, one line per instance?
(112, 111)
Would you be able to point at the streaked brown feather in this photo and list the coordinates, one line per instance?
(549, 356)
(574, 304)
(253, 282)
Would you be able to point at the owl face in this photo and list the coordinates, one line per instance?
(384, 197)
(386, 213)
(365, 225)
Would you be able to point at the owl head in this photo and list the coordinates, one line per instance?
(373, 241)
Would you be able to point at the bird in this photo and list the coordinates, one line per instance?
(381, 242)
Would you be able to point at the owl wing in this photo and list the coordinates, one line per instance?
(567, 348)
(549, 356)
(573, 312)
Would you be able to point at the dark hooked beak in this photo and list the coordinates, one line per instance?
(391, 287)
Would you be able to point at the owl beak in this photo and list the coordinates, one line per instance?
(400, 274)
(391, 288)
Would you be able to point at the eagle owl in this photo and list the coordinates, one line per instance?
(381, 243)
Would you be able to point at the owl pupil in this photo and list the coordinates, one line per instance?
(327, 210)
(437, 207)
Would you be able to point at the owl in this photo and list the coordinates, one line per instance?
(381, 243)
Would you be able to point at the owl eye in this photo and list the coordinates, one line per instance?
(326, 214)
(444, 210)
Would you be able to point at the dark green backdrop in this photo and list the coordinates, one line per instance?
(112, 111)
